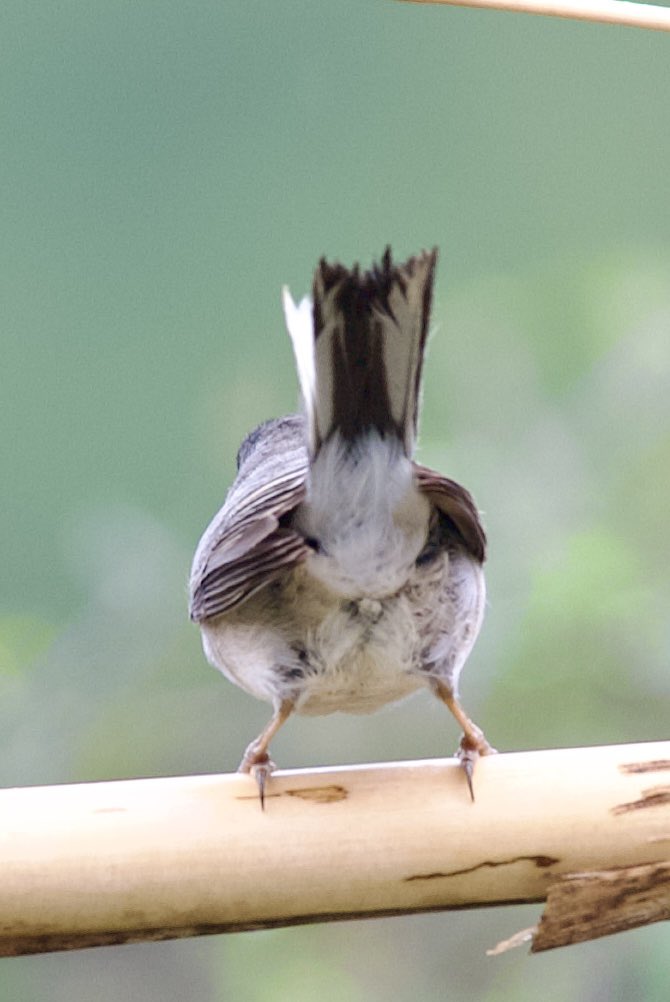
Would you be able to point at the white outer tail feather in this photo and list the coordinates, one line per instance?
(300, 326)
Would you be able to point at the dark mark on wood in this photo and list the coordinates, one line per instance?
(656, 765)
(320, 794)
(317, 794)
(658, 796)
(254, 796)
(539, 861)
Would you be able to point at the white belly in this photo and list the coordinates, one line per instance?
(365, 661)
(357, 657)
(298, 641)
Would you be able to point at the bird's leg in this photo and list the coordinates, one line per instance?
(473, 743)
(256, 759)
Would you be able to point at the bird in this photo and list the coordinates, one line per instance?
(340, 574)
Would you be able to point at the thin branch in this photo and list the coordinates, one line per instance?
(633, 15)
(103, 863)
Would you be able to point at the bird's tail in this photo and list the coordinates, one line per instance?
(359, 348)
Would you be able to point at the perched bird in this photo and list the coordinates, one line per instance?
(340, 574)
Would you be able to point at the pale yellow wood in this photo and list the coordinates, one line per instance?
(155, 858)
(633, 15)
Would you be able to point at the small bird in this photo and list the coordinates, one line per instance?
(340, 574)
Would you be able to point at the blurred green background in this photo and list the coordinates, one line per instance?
(164, 168)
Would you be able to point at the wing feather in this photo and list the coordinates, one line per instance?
(457, 505)
(246, 546)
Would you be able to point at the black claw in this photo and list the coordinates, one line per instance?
(468, 769)
(260, 782)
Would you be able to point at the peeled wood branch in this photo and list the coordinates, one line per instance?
(93, 864)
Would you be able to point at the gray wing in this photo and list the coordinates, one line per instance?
(247, 543)
(458, 507)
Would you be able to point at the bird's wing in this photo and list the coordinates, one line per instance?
(457, 506)
(246, 544)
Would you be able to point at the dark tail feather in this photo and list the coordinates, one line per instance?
(360, 370)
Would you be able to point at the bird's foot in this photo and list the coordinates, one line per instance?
(259, 765)
(256, 759)
(473, 744)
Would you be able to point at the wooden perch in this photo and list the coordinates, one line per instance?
(632, 15)
(117, 862)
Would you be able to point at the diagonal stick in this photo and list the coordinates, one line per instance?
(633, 15)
